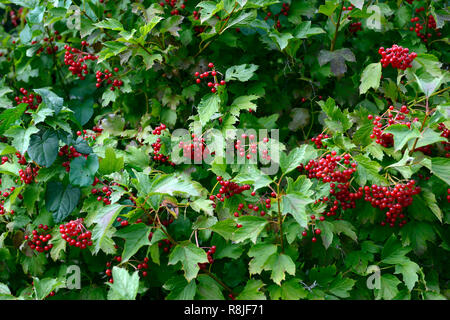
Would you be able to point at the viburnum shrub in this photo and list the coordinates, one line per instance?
(229, 150)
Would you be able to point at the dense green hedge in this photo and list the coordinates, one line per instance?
(114, 121)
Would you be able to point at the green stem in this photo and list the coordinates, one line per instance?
(333, 43)
(280, 218)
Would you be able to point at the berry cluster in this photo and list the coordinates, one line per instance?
(143, 267)
(284, 11)
(354, 27)
(76, 234)
(75, 59)
(448, 195)
(69, 153)
(227, 190)
(446, 134)
(213, 73)
(6, 194)
(87, 135)
(314, 231)
(394, 199)
(331, 168)
(108, 271)
(31, 99)
(16, 17)
(103, 193)
(165, 244)
(157, 156)
(423, 29)
(397, 56)
(172, 5)
(48, 44)
(209, 254)
(28, 175)
(247, 150)
(389, 117)
(194, 150)
(336, 170)
(318, 140)
(39, 238)
(21, 158)
(123, 223)
(196, 15)
(106, 75)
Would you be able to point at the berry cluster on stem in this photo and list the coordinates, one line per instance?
(397, 56)
(38, 240)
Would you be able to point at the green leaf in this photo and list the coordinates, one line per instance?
(441, 168)
(370, 77)
(281, 39)
(60, 200)
(144, 30)
(104, 218)
(388, 287)
(180, 289)
(402, 134)
(368, 171)
(111, 24)
(110, 163)
(252, 226)
(245, 103)
(252, 291)
(208, 9)
(36, 15)
(393, 252)
(208, 106)
(190, 256)
(409, 272)
(242, 19)
(250, 174)
(337, 60)
(83, 110)
(43, 148)
(341, 286)
(208, 288)
(261, 254)
(327, 230)
(21, 137)
(427, 136)
(295, 203)
(337, 120)
(82, 170)
(280, 264)
(296, 157)
(25, 35)
(241, 72)
(136, 236)
(345, 227)
(329, 7)
(303, 30)
(10, 116)
(50, 99)
(202, 205)
(416, 234)
(43, 287)
(288, 290)
(125, 286)
(429, 84)
(174, 185)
